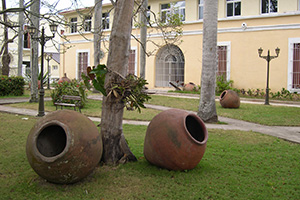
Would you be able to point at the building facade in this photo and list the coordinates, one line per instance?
(243, 27)
(51, 48)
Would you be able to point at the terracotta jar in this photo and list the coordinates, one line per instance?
(64, 147)
(189, 87)
(64, 79)
(39, 84)
(175, 140)
(229, 99)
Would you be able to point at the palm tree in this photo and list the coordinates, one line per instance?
(207, 107)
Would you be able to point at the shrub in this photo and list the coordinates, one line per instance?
(130, 89)
(11, 86)
(260, 93)
(74, 88)
(222, 84)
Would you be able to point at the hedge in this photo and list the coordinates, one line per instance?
(13, 86)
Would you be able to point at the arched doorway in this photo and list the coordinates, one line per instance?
(169, 66)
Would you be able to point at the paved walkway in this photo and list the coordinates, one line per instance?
(291, 134)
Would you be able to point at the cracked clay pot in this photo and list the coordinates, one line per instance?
(64, 147)
(175, 140)
(229, 99)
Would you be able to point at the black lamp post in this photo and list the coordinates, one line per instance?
(48, 57)
(268, 58)
(42, 40)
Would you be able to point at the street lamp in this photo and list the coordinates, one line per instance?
(48, 57)
(268, 58)
(42, 40)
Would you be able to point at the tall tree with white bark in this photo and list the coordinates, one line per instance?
(20, 39)
(35, 20)
(97, 31)
(207, 107)
(5, 56)
(143, 33)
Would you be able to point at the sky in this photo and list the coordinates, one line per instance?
(61, 4)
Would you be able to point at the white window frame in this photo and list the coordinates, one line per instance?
(106, 20)
(54, 67)
(148, 14)
(75, 24)
(25, 27)
(77, 60)
(233, 2)
(200, 5)
(261, 2)
(173, 9)
(292, 41)
(135, 60)
(228, 65)
(180, 10)
(87, 23)
(166, 10)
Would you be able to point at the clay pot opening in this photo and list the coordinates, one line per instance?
(194, 128)
(51, 141)
(223, 94)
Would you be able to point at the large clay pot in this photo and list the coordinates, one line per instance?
(39, 84)
(189, 87)
(175, 140)
(64, 79)
(64, 147)
(229, 99)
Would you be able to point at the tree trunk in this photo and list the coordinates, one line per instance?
(20, 39)
(5, 56)
(143, 32)
(207, 107)
(97, 31)
(115, 148)
(34, 61)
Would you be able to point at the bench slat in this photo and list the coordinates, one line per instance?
(69, 97)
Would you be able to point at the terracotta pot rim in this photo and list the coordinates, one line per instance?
(67, 146)
(223, 94)
(201, 123)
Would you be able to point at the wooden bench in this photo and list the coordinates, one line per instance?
(76, 99)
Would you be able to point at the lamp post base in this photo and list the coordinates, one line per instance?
(41, 103)
(267, 97)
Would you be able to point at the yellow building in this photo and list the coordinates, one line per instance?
(243, 27)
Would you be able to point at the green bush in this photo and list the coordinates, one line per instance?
(223, 84)
(74, 88)
(11, 86)
(284, 94)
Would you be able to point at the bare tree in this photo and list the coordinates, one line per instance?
(20, 39)
(5, 57)
(97, 31)
(207, 107)
(143, 38)
(35, 20)
(115, 148)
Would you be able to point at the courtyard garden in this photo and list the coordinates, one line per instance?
(261, 114)
(236, 165)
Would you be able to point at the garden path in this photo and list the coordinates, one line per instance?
(288, 133)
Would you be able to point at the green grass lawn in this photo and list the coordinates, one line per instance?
(236, 165)
(262, 114)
